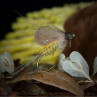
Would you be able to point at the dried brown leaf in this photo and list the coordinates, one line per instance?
(84, 25)
(86, 85)
(54, 78)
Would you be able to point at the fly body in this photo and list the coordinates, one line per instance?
(50, 38)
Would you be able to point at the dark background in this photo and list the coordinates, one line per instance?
(8, 7)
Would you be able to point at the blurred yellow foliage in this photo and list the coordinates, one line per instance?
(21, 44)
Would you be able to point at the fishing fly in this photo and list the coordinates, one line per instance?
(51, 39)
